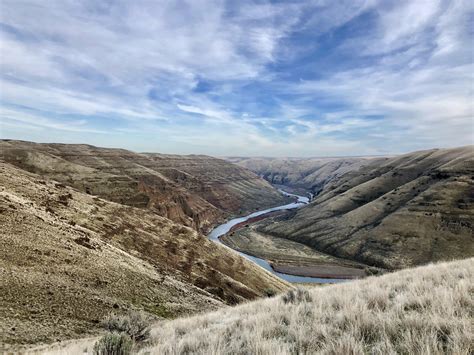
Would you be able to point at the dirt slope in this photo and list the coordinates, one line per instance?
(393, 213)
(69, 258)
(197, 191)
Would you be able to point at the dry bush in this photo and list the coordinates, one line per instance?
(297, 296)
(135, 324)
(113, 344)
(427, 310)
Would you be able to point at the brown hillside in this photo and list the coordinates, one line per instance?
(393, 213)
(197, 191)
(69, 258)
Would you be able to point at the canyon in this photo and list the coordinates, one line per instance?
(90, 231)
(389, 213)
(195, 190)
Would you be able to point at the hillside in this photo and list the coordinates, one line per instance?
(197, 191)
(392, 213)
(69, 259)
(302, 174)
(427, 310)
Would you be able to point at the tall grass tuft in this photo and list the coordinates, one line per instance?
(296, 296)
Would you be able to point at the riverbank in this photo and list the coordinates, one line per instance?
(323, 271)
(290, 257)
(291, 261)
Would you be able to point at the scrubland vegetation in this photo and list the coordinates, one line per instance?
(427, 310)
(125, 333)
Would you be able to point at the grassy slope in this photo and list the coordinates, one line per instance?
(427, 310)
(69, 259)
(395, 213)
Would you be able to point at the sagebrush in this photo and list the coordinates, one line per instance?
(114, 344)
(136, 324)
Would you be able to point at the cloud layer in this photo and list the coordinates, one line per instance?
(297, 78)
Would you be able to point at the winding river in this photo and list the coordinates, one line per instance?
(224, 228)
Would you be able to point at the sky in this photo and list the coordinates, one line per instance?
(240, 78)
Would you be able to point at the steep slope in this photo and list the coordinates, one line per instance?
(308, 174)
(404, 211)
(427, 310)
(69, 259)
(197, 191)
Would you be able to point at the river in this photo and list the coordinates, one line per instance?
(225, 227)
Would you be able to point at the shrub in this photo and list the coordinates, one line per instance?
(114, 344)
(297, 296)
(269, 292)
(135, 324)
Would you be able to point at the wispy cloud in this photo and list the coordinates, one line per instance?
(255, 78)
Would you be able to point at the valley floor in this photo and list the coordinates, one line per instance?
(290, 257)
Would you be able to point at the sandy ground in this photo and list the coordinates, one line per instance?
(323, 271)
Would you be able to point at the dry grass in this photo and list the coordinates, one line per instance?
(427, 310)
(68, 259)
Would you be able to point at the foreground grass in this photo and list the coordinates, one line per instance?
(427, 310)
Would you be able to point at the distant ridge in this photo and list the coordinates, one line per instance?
(195, 190)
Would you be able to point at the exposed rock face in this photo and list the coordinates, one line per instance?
(197, 191)
(68, 259)
(392, 213)
(310, 174)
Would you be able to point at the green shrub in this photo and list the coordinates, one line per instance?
(114, 344)
(135, 324)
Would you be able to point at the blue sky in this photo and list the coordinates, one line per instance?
(253, 78)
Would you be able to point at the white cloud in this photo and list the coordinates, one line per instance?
(141, 65)
(21, 119)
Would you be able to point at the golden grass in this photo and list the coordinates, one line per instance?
(426, 310)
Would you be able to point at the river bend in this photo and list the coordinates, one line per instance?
(225, 227)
